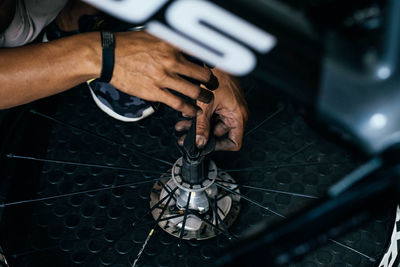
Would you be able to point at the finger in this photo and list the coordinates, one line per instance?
(220, 129)
(203, 128)
(234, 140)
(181, 140)
(189, 89)
(225, 145)
(183, 125)
(199, 73)
(179, 104)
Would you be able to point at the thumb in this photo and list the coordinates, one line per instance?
(203, 125)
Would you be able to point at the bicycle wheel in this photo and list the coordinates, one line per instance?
(91, 204)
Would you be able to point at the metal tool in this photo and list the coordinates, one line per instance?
(199, 209)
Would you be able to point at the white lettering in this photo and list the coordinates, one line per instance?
(199, 28)
(197, 18)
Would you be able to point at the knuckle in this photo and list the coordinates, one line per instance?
(179, 105)
(196, 92)
(171, 62)
(236, 147)
(162, 78)
(202, 124)
(236, 144)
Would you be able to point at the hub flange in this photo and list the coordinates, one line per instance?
(205, 200)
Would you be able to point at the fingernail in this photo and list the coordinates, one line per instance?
(199, 112)
(205, 96)
(213, 83)
(200, 141)
(180, 141)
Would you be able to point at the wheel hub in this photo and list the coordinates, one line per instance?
(211, 210)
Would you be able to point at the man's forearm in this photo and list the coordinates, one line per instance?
(39, 70)
(145, 67)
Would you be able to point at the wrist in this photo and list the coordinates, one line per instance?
(93, 54)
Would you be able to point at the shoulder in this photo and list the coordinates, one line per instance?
(28, 19)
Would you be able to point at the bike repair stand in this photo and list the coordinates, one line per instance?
(197, 201)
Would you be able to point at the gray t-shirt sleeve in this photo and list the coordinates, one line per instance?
(31, 16)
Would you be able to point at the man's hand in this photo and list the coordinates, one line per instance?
(231, 109)
(145, 67)
(149, 68)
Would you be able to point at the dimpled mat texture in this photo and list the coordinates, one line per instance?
(108, 227)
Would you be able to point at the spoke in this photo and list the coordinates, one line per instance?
(195, 213)
(299, 150)
(219, 180)
(168, 189)
(250, 200)
(98, 136)
(276, 166)
(73, 127)
(152, 157)
(12, 156)
(138, 151)
(143, 247)
(279, 110)
(214, 206)
(280, 192)
(152, 230)
(354, 250)
(170, 192)
(157, 205)
(269, 190)
(77, 193)
(227, 193)
(332, 240)
(22, 254)
(160, 220)
(223, 213)
(184, 219)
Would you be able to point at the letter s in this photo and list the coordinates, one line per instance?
(195, 20)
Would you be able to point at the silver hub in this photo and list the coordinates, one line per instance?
(202, 221)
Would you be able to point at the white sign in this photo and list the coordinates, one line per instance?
(199, 28)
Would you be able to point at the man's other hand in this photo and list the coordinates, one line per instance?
(230, 107)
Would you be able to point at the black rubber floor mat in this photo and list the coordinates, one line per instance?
(99, 226)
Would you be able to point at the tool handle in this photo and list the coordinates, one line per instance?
(189, 145)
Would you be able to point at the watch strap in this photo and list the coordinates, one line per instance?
(108, 46)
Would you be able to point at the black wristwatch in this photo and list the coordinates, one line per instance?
(108, 45)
